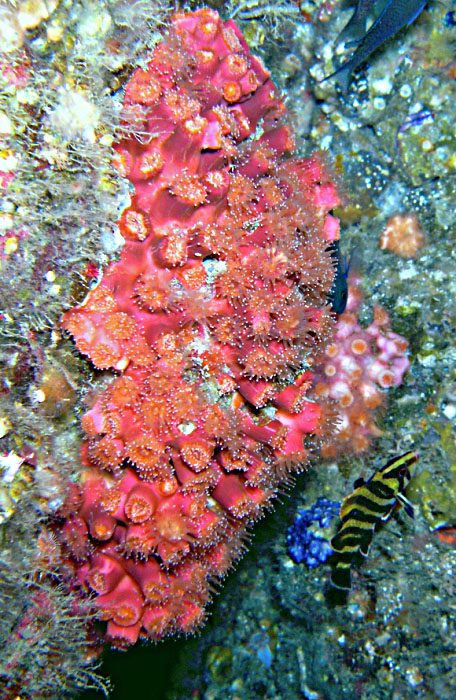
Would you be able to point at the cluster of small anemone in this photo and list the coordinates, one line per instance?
(210, 317)
(355, 368)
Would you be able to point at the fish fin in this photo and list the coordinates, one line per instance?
(418, 12)
(346, 266)
(386, 515)
(365, 546)
(343, 77)
(355, 260)
(337, 543)
(356, 25)
(408, 507)
(356, 35)
(353, 42)
(359, 482)
(341, 576)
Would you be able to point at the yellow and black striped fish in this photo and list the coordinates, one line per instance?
(371, 502)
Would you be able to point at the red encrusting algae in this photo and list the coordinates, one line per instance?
(210, 316)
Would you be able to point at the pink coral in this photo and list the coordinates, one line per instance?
(209, 316)
(355, 368)
(403, 236)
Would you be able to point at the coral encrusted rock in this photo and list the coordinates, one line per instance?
(209, 323)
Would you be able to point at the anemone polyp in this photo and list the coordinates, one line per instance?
(332, 349)
(359, 346)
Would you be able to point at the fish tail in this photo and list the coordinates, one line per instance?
(355, 31)
(419, 9)
(343, 77)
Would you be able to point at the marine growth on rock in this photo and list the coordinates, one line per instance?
(210, 320)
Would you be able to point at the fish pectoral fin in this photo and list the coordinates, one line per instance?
(408, 507)
(386, 515)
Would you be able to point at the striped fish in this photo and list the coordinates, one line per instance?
(370, 503)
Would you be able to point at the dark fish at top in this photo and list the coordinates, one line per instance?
(339, 293)
(370, 503)
(395, 15)
(343, 265)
